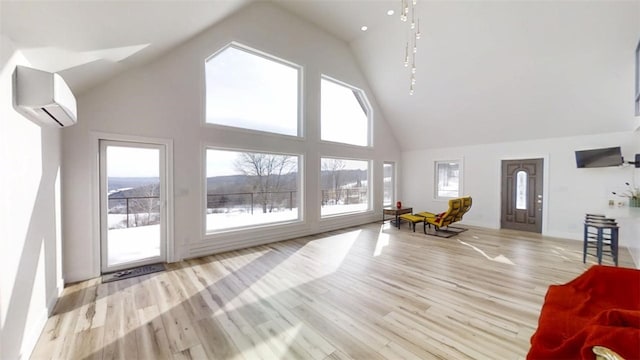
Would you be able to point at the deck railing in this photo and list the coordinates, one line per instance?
(269, 201)
(144, 210)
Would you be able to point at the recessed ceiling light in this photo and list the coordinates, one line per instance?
(364, 28)
(390, 12)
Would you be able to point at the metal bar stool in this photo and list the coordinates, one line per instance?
(598, 232)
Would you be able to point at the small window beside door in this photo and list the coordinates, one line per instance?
(389, 183)
(638, 79)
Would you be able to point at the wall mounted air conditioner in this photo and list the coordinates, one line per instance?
(43, 97)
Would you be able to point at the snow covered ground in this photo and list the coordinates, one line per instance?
(142, 242)
(236, 219)
(133, 244)
(329, 210)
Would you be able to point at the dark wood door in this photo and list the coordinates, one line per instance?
(522, 195)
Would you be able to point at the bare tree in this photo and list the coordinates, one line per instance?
(146, 208)
(267, 171)
(332, 169)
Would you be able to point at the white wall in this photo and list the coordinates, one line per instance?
(30, 249)
(569, 192)
(164, 99)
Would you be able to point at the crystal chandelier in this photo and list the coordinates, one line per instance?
(408, 15)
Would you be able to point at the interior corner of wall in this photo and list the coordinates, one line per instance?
(7, 50)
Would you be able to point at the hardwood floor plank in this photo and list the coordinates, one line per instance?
(59, 331)
(194, 353)
(88, 344)
(173, 313)
(215, 341)
(119, 339)
(339, 295)
(151, 336)
(87, 314)
(338, 355)
(394, 351)
(313, 342)
(340, 338)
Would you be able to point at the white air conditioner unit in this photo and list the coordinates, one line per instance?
(43, 97)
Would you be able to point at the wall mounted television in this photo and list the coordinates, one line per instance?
(599, 157)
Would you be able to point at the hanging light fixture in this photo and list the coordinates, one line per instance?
(408, 15)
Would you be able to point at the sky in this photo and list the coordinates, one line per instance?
(343, 119)
(132, 162)
(220, 163)
(250, 91)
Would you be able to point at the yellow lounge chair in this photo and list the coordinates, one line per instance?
(442, 221)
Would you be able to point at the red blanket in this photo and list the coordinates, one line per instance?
(600, 307)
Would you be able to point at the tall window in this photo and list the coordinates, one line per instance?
(344, 186)
(389, 183)
(251, 91)
(638, 79)
(448, 184)
(345, 114)
(248, 188)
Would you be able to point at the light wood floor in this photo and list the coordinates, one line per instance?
(364, 293)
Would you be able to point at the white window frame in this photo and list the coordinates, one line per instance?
(95, 138)
(299, 195)
(267, 56)
(362, 98)
(369, 185)
(436, 178)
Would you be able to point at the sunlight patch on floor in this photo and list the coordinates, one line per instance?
(332, 251)
(500, 258)
(329, 253)
(383, 241)
(279, 341)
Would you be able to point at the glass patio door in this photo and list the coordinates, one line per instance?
(132, 204)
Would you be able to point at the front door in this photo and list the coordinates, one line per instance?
(522, 195)
(132, 211)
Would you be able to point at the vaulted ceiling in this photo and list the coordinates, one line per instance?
(486, 71)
